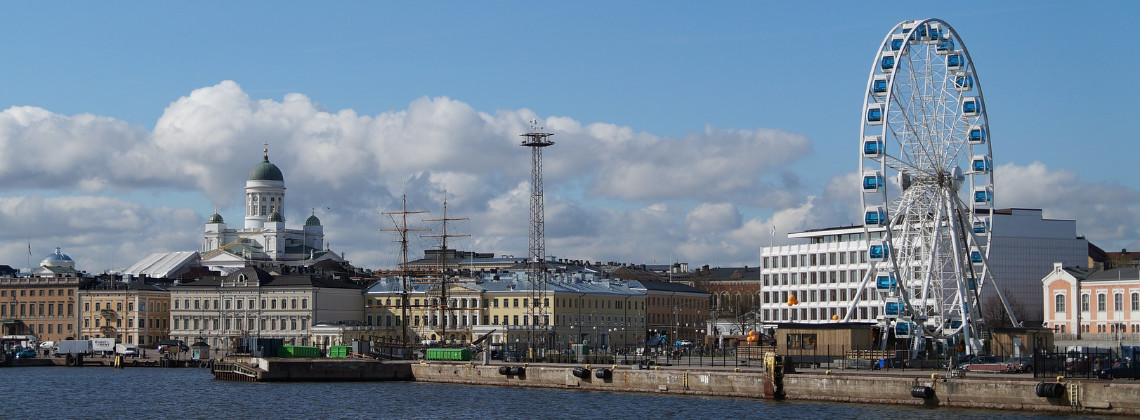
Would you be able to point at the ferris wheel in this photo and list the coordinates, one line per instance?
(927, 183)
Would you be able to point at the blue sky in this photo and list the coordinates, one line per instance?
(684, 130)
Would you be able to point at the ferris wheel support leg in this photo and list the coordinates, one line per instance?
(856, 299)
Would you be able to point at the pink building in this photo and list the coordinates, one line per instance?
(1092, 304)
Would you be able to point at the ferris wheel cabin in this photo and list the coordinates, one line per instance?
(872, 182)
(875, 216)
(963, 82)
(944, 46)
(981, 164)
(976, 135)
(887, 64)
(975, 255)
(885, 282)
(878, 252)
(879, 86)
(981, 226)
(904, 329)
(872, 146)
(891, 308)
(954, 61)
(983, 196)
(896, 42)
(971, 106)
(875, 114)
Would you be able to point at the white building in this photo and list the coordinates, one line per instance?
(824, 274)
(254, 303)
(264, 240)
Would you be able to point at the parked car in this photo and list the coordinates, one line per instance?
(1020, 363)
(1120, 369)
(985, 364)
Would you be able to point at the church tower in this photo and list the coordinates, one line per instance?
(264, 192)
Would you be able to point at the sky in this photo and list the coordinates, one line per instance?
(684, 131)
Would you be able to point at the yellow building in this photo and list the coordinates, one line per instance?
(43, 304)
(573, 310)
(133, 312)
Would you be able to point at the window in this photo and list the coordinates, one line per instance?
(1135, 301)
(1084, 303)
(1118, 302)
(1101, 302)
(1059, 304)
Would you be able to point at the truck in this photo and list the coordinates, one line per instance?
(127, 350)
(103, 345)
(72, 347)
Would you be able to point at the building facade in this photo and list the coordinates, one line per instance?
(45, 303)
(131, 311)
(1092, 304)
(250, 302)
(825, 273)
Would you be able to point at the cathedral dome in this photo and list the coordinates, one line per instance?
(216, 218)
(266, 171)
(274, 216)
(313, 220)
(57, 259)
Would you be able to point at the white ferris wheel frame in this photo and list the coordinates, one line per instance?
(930, 109)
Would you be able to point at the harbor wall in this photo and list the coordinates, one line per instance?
(300, 370)
(1078, 396)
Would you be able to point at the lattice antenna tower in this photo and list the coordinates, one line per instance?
(401, 226)
(536, 140)
(444, 306)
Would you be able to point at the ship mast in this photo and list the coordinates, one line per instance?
(444, 303)
(403, 229)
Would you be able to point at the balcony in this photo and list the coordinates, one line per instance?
(109, 314)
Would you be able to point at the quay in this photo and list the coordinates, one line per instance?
(912, 387)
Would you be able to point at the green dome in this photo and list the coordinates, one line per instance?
(266, 171)
(274, 216)
(313, 221)
(216, 218)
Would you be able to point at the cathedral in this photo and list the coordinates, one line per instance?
(264, 241)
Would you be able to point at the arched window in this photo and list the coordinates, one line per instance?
(1118, 301)
(1059, 306)
(1135, 301)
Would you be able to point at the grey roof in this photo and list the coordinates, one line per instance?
(511, 282)
(164, 264)
(662, 286)
(1113, 274)
(265, 279)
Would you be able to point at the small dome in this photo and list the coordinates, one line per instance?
(216, 218)
(274, 216)
(313, 220)
(266, 171)
(57, 259)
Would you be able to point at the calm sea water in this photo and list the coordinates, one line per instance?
(144, 393)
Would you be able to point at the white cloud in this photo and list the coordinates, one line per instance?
(103, 189)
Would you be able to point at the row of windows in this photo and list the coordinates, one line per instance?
(815, 259)
(50, 328)
(143, 323)
(818, 314)
(99, 306)
(814, 277)
(830, 295)
(50, 292)
(265, 323)
(509, 303)
(1101, 302)
(241, 304)
(36, 310)
(1102, 328)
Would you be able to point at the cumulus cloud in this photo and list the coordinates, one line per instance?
(108, 191)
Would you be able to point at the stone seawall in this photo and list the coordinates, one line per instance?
(1076, 396)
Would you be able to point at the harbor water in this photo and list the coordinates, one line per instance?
(90, 392)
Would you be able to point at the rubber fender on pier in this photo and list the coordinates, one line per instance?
(1050, 389)
(603, 373)
(581, 372)
(923, 392)
(504, 370)
(517, 371)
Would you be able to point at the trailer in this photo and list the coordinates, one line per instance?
(103, 345)
(72, 347)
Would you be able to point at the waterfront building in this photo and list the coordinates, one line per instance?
(1099, 304)
(131, 310)
(575, 309)
(735, 296)
(44, 302)
(676, 310)
(264, 241)
(824, 274)
(251, 302)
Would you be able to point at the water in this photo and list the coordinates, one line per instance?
(140, 393)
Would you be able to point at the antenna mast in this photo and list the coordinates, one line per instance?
(536, 139)
(444, 304)
(402, 227)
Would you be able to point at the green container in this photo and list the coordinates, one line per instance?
(298, 351)
(338, 352)
(448, 354)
